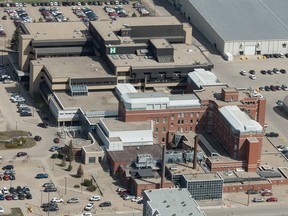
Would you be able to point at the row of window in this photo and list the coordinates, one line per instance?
(180, 115)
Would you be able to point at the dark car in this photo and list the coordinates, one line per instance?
(283, 71)
(12, 190)
(51, 208)
(8, 167)
(252, 72)
(272, 134)
(267, 193)
(12, 177)
(41, 176)
(2, 197)
(273, 88)
(28, 196)
(4, 17)
(267, 88)
(278, 88)
(21, 196)
(37, 138)
(45, 205)
(56, 140)
(48, 184)
(21, 154)
(43, 125)
(270, 72)
(105, 204)
(50, 189)
(251, 191)
(263, 72)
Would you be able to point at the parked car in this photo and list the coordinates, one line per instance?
(270, 72)
(267, 193)
(136, 199)
(284, 87)
(5, 190)
(105, 204)
(283, 71)
(252, 72)
(42, 125)
(73, 200)
(50, 189)
(272, 134)
(95, 198)
(89, 207)
(7, 81)
(263, 72)
(243, 73)
(272, 199)
(267, 88)
(56, 140)
(48, 184)
(56, 200)
(51, 208)
(8, 167)
(41, 175)
(251, 191)
(45, 205)
(21, 154)
(37, 138)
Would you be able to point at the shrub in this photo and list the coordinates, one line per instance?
(87, 182)
(76, 186)
(80, 172)
(69, 167)
(91, 188)
(11, 145)
(63, 163)
(55, 155)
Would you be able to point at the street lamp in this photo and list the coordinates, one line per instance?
(65, 184)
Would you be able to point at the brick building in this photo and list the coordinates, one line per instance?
(231, 115)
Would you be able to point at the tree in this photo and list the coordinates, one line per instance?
(63, 163)
(70, 155)
(15, 40)
(80, 171)
(134, 15)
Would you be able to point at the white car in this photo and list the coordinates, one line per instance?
(136, 199)
(89, 207)
(5, 190)
(243, 73)
(94, 198)
(56, 200)
(6, 81)
(1, 210)
(252, 76)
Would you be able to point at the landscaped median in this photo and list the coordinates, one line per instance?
(16, 140)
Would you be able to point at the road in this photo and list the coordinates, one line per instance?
(275, 210)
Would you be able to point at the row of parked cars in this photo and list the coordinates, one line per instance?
(86, 14)
(18, 15)
(126, 196)
(18, 193)
(141, 9)
(116, 11)
(3, 74)
(283, 87)
(263, 193)
(52, 14)
(23, 108)
(275, 55)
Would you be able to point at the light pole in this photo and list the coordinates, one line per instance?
(41, 197)
(81, 185)
(65, 184)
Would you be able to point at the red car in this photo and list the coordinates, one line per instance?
(56, 140)
(272, 199)
(8, 197)
(267, 194)
(121, 193)
(6, 178)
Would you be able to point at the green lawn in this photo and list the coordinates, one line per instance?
(20, 140)
(15, 212)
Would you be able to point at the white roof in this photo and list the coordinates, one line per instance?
(202, 78)
(239, 120)
(124, 88)
(158, 100)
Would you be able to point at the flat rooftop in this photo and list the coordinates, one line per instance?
(117, 125)
(234, 19)
(56, 30)
(94, 101)
(202, 176)
(183, 168)
(130, 153)
(183, 55)
(105, 27)
(173, 201)
(74, 67)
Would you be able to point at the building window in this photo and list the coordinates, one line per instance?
(235, 147)
(191, 121)
(172, 124)
(191, 114)
(182, 114)
(163, 140)
(178, 129)
(179, 115)
(157, 120)
(179, 122)
(284, 45)
(187, 114)
(92, 159)
(197, 115)
(164, 120)
(191, 129)
(186, 121)
(182, 121)
(156, 130)
(163, 129)
(172, 117)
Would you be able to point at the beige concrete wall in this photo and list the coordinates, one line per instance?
(188, 33)
(35, 73)
(24, 50)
